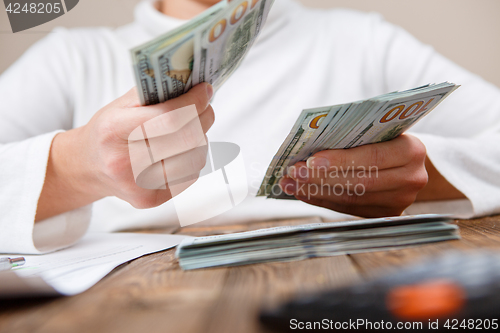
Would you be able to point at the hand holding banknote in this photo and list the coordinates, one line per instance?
(353, 158)
(207, 48)
(380, 179)
(91, 162)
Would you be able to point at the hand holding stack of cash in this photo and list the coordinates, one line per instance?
(314, 240)
(208, 48)
(377, 119)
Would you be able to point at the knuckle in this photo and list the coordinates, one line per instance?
(168, 122)
(422, 179)
(198, 160)
(368, 183)
(199, 100)
(393, 212)
(417, 150)
(188, 139)
(337, 157)
(376, 155)
(145, 201)
(403, 201)
(116, 165)
(419, 180)
(211, 115)
(191, 137)
(140, 202)
(348, 200)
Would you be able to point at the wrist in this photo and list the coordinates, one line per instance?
(438, 187)
(71, 168)
(68, 180)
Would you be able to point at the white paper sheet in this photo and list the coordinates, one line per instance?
(76, 269)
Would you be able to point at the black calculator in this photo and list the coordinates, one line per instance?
(456, 291)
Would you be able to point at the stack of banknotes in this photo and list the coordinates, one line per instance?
(208, 48)
(314, 240)
(350, 125)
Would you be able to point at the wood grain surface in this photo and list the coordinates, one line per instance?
(152, 294)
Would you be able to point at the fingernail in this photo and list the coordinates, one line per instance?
(289, 186)
(317, 162)
(299, 174)
(210, 91)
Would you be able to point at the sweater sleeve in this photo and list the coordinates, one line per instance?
(35, 105)
(462, 134)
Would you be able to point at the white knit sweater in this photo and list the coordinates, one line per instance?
(304, 58)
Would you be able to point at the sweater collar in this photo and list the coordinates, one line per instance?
(153, 21)
(156, 23)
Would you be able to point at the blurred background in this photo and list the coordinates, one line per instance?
(463, 30)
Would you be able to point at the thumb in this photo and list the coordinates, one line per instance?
(200, 95)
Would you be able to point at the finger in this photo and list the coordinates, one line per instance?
(143, 198)
(145, 151)
(172, 171)
(200, 95)
(371, 180)
(189, 137)
(129, 100)
(186, 165)
(363, 211)
(164, 118)
(207, 119)
(349, 196)
(384, 155)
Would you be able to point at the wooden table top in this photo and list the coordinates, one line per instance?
(152, 294)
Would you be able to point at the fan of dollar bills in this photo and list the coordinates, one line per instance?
(208, 48)
(350, 125)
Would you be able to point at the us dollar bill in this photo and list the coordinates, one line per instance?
(144, 69)
(208, 48)
(374, 120)
(304, 128)
(173, 67)
(314, 240)
(221, 45)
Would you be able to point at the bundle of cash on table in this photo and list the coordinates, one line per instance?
(208, 48)
(314, 240)
(350, 125)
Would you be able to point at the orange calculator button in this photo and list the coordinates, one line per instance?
(427, 300)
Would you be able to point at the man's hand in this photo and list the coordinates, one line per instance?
(374, 180)
(92, 162)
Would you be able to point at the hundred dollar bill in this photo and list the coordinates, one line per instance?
(377, 119)
(221, 45)
(141, 55)
(397, 116)
(304, 128)
(314, 240)
(173, 67)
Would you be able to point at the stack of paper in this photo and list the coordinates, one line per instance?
(76, 269)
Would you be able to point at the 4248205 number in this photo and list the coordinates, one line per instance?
(471, 324)
(34, 8)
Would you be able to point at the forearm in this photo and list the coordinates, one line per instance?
(67, 184)
(437, 188)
